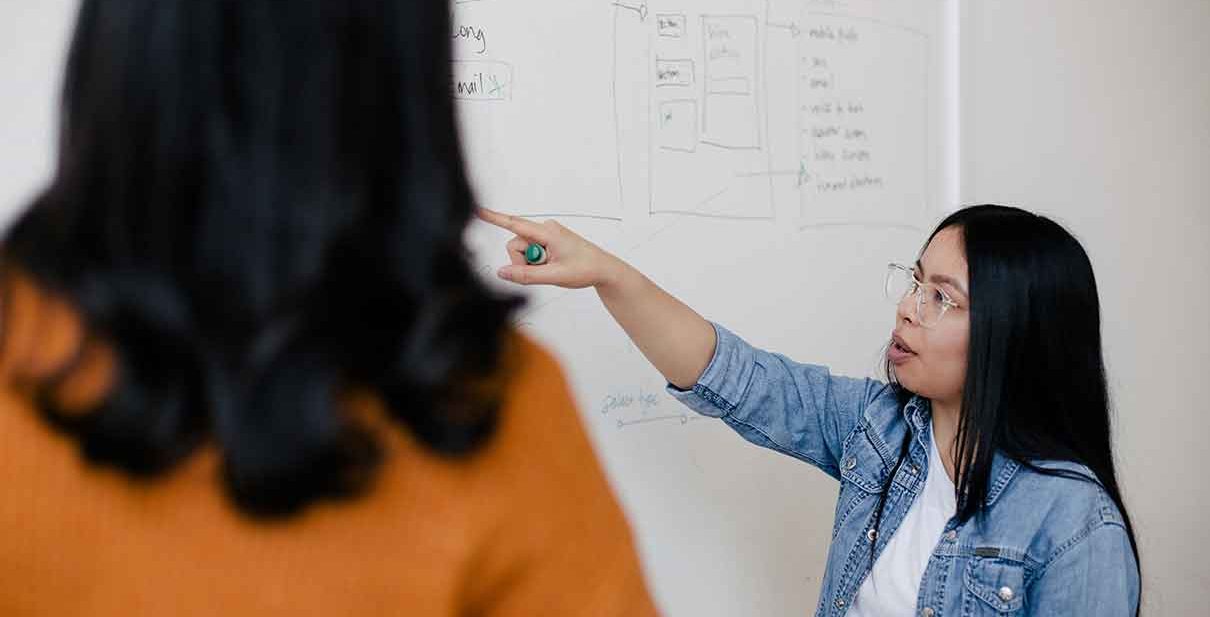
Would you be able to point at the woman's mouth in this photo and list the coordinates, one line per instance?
(899, 352)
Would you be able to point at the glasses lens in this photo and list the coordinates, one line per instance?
(932, 306)
(898, 283)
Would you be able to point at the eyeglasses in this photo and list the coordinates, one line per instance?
(931, 301)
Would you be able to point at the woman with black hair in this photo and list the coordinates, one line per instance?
(245, 365)
(980, 480)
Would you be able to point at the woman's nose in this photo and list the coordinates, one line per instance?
(906, 309)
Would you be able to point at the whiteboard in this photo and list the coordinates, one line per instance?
(762, 161)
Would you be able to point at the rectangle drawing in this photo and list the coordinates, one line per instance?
(482, 80)
(730, 115)
(704, 79)
(670, 25)
(678, 125)
(673, 72)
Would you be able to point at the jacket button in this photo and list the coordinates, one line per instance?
(850, 464)
(1006, 594)
(871, 535)
(951, 535)
(914, 469)
(839, 602)
(927, 612)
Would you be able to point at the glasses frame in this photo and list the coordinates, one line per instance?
(917, 289)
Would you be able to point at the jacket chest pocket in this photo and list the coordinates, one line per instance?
(993, 587)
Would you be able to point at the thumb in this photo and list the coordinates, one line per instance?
(546, 274)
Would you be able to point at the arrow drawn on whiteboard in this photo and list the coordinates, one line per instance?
(801, 174)
(640, 8)
(791, 27)
(683, 417)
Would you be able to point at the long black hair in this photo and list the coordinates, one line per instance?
(258, 206)
(1035, 387)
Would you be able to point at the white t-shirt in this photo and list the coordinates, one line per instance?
(894, 582)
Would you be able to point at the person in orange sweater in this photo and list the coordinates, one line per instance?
(245, 365)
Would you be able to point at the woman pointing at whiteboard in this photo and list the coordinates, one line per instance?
(980, 480)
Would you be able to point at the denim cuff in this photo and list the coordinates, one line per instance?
(724, 383)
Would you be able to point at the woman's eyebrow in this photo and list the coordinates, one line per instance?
(942, 278)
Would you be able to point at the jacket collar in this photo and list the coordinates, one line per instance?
(917, 413)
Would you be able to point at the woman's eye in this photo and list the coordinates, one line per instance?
(938, 297)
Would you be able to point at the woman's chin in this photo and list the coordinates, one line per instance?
(907, 378)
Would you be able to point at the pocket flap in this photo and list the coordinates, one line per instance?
(997, 582)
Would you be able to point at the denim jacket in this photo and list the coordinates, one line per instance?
(1045, 545)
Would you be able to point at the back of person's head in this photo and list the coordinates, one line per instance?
(259, 205)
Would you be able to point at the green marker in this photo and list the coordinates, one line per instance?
(535, 254)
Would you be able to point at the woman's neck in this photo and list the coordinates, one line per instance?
(945, 429)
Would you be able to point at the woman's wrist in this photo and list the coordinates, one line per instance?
(614, 276)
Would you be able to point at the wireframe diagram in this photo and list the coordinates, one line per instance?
(707, 109)
(575, 108)
(863, 120)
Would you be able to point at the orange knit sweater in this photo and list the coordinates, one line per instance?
(528, 526)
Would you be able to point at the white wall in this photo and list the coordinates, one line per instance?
(1098, 113)
(33, 48)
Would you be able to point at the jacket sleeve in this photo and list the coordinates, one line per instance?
(1096, 576)
(797, 409)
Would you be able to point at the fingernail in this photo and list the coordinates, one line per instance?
(502, 273)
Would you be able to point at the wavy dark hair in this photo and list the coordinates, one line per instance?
(258, 206)
(1035, 386)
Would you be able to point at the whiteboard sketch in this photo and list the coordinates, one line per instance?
(707, 118)
(863, 121)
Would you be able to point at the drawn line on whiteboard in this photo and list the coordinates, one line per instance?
(640, 245)
(684, 418)
(640, 9)
(801, 175)
(792, 27)
(695, 211)
(761, 174)
(617, 122)
(764, 79)
(599, 217)
(706, 201)
(728, 146)
(732, 217)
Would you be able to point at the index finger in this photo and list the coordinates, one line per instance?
(515, 224)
